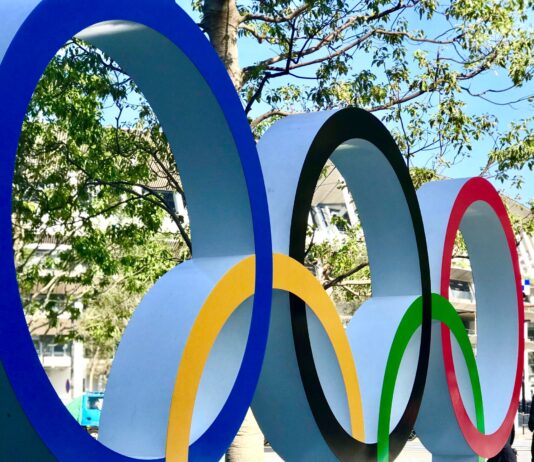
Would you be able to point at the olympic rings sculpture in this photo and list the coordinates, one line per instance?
(244, 322)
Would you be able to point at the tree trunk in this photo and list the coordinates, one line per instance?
(221, 21)
(248, 443)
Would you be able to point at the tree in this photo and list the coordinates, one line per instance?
(89, 207)
(102, 325)
(417, 64)
(422, 66)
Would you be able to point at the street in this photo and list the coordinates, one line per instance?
(415, 451)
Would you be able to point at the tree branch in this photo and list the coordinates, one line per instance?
(331, 36)
(408, 97)
(416, 39)
(275, 19)
(127, 187)
(268, 115)
(349, 273)
(158, 202)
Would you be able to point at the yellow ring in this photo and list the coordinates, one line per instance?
(233, 289)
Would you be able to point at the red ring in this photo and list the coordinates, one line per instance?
(478, 189)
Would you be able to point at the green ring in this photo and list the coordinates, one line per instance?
(444, 312)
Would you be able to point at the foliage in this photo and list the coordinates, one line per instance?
(103, 323)
(433, 71)
(86, 217)
(513, 150)
(342, 266)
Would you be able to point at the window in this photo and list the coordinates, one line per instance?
(94, 403)
(460, 290)
(51, 346)
(168, 198)
(469, 325)
(37, 345)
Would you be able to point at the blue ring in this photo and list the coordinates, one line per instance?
(49, 25)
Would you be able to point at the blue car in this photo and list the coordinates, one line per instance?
(86, 410)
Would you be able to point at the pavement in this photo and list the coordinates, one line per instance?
(414, 451)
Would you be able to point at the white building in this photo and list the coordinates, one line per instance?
(64, 364)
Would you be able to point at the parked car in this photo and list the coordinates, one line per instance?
(86, 410)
